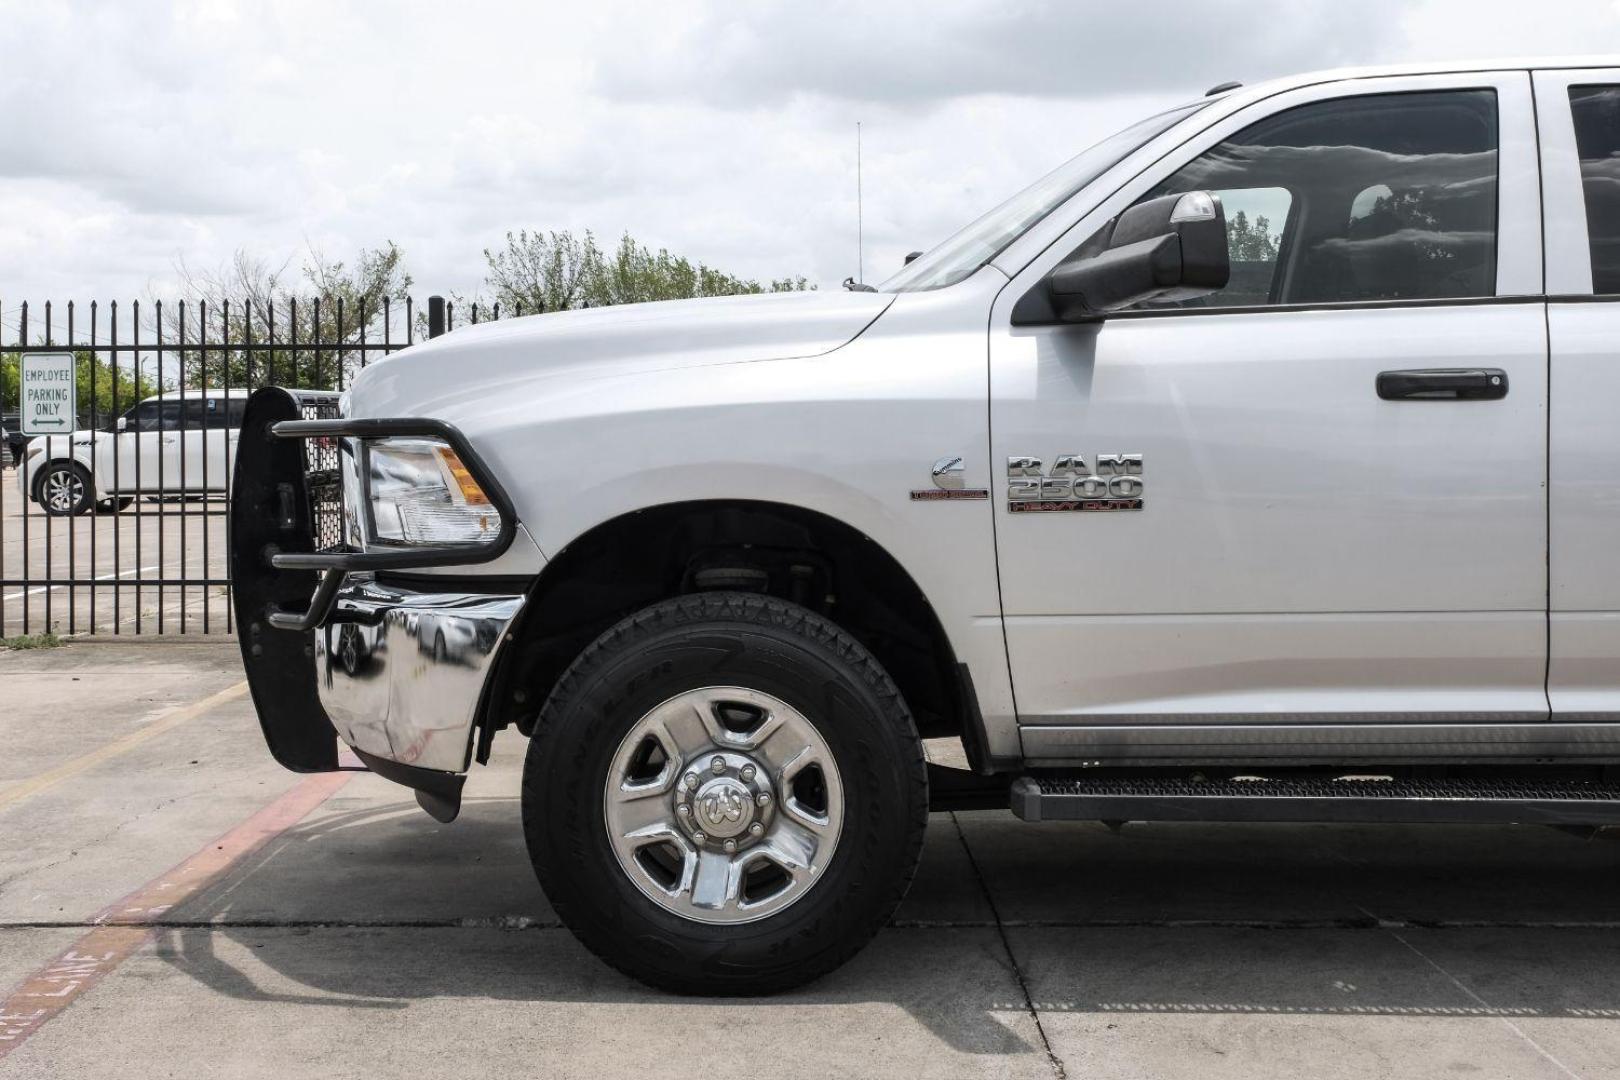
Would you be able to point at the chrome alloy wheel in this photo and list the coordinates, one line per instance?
(723, 805)
(63, 490)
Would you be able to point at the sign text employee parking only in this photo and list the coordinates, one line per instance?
(49, 393)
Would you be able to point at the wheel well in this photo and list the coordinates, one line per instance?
(625, 564)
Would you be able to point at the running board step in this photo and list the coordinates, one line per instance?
(1457, 801)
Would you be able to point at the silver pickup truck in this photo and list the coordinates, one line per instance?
(1260, 463)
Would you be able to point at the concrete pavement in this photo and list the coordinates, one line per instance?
(368, 940)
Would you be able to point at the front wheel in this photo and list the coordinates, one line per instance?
(63, 489)
(725, 794)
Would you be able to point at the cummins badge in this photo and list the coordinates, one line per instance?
(948, 474)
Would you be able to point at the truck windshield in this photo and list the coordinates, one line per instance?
(983, 240)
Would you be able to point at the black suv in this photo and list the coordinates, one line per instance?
(12, 440)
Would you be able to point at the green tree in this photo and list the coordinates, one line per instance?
(558, 271)
(101, 385)
(1248, 241)
(327, 303)
(543, 271)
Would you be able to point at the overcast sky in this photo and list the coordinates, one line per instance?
(138, 134)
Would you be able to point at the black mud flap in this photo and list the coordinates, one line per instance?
(270, 511)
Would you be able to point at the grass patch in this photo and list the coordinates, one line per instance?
(47, 640)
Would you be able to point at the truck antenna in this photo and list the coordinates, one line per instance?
(860, 230)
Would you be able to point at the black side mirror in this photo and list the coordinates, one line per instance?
(1165, 249)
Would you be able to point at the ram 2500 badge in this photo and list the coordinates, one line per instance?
(1266, 444)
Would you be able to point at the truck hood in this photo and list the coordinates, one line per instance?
(520, 355)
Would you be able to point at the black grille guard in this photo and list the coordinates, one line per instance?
(287, 558)
(334, 565)
(418, 555)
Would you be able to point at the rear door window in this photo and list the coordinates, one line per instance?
(1596, 111)
(224, 413)
(195, 413)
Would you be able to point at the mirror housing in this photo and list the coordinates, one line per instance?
(121, 424)
(1166, 249)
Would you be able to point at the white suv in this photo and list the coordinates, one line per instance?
(179, 443)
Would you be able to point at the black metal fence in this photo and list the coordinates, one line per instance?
(120, 526)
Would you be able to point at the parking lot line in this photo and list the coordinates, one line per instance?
(81, 584)
(165, 722)
(122, 928)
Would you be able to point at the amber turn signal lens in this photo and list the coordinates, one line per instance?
(470, 491)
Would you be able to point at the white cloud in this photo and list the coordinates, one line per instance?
(921, 54)
(140, 133)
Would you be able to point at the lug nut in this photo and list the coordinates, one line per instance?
(756, 829)
(763, 798)
(730, 846)
(698, 837)
(691, 781)
(718, 764)
(747, 773)
(683, 810)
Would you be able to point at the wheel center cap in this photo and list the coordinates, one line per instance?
(723, 807)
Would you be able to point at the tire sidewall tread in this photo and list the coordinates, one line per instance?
(782, 649)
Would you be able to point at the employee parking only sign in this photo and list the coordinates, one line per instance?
(49, 393)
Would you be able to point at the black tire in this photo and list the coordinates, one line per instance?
(758, 643)
(351, 648)
(118, 504)
(85, 499)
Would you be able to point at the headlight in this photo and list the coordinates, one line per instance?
(419, 492)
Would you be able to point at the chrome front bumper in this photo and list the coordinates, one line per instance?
(401, 672)
(398, 671)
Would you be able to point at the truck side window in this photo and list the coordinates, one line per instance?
(223, 413)
(1255, 218)
(1597, 138)
(144, 417)
(1377, 197)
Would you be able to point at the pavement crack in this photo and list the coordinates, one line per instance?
(1052, 1059)
(124, 823)
(1482, 1003)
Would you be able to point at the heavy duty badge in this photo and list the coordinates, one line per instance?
(1115, 484)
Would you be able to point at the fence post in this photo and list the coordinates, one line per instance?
(435, 316)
